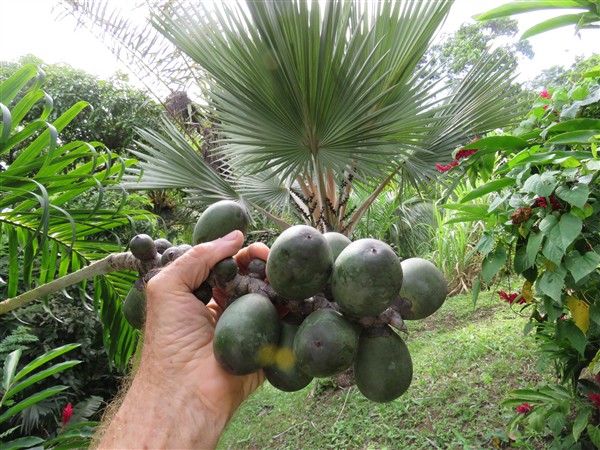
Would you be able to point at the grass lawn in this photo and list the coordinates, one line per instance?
(465, 361)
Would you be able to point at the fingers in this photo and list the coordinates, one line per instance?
(257, 250)
(187, 272)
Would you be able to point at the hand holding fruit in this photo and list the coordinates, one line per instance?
(179, 378)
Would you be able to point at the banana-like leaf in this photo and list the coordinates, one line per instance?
(590, 15)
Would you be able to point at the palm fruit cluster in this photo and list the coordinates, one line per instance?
(320, 304)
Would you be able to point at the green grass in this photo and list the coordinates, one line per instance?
(466, 359)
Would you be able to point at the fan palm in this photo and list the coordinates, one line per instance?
(316, 99)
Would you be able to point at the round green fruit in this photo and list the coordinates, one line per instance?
(299, 263)
(325, 343)
(162, 244)
(246, 335)
(219, 219)
(423, 291)
(337, 242)
(284, 373)
(226, 269)
(134, 308)
(257, 269)
(170, 255)
(203, 292)
(383, 367)
(366, 278)
(142, 247)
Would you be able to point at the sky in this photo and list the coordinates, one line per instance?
(28, 26)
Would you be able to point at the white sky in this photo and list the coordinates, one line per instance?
(27, 26)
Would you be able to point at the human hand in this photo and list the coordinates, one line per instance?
(177, 364)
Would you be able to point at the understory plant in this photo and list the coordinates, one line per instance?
(17, 395)
(542, 223)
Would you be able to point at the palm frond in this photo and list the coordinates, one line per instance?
(46, 228)
(126, 32)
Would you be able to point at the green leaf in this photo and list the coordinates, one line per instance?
(594, 434)
(551, 283)
(530, 395)
(485, 244)
(48, 356)
(547, 224)
(574, 137)
(492, 186)
(575, 125)
(22, 442)
(56, 368)
(581, 265)
(551, 24)
(566, 329)
(579, 93)
(31, 400)
(534, 242)
(569, 228)
(10, 365)
(492, 264)
(519, 7)
(498, 143)
(552, 251)
(476, 290)
(580, 423)
(522, 262)
(17, 81)
(540, 184)
(577, 194)
(556, 422)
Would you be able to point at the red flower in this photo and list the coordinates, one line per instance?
(462, 153)
(524, 408)
(511, 298)
(441, 168)
(594, 398)
(543, 203)
(67, 414)
(545, 94)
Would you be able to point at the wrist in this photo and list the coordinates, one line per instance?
(158, 414)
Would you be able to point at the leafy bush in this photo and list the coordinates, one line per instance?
(543, 221)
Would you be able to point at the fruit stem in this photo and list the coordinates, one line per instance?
(112, 263)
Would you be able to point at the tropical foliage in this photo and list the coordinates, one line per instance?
(542, 219)
(75, 431)
(314, 103)
(45, 230)
(459, 51)
(589, 17)
(115, 109)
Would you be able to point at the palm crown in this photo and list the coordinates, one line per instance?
(316, 99)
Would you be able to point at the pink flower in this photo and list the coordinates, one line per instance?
(594, 398)
(67, 414)
(524, 408)
(545, 94)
